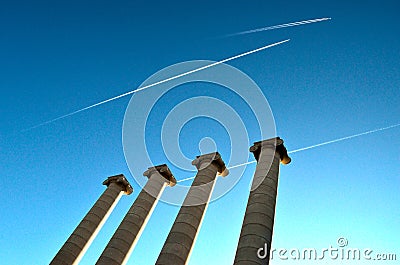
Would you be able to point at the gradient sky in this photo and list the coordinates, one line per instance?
(333, 79)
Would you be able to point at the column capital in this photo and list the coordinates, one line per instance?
(203, 161)
(120, 180)
(164, 171)
(276, 143)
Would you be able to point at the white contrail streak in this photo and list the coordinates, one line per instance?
(182, 180)
(316, 145)
(344, 138)
(160, 82)
(244, 164)
(293, 24)
(240, 165)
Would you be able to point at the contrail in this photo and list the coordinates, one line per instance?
(343, 138)
(244, 164)
(160, 82)
(293, 24)
(314, 146)
(325, 143)
(182, 180)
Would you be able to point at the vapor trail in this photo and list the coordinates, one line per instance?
(293, 24)
(182, 180)
(325, 143)
(344, 138)
(160, 82)
(251, 162)
(244, 164)
(316, 145)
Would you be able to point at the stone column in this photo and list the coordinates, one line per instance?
(123, 241)
(76, 245)
(182, 236)
(256, 234)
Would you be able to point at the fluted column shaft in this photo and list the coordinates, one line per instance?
(128, 232)
(182, 236)
(76, 245)
(258, 222)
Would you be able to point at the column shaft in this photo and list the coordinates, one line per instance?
(76, 245)
(128, 232)
(257, 228)
(182, 236)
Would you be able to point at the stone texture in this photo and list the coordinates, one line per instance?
(258, 221)
(73, 249)
(122, 242)
(181, 238)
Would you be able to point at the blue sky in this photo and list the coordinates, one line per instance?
(333, 79)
